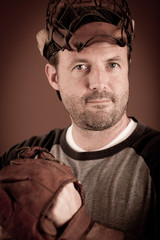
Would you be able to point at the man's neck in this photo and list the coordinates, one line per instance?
(93, 140)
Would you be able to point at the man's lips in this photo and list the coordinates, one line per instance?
(99, 98)
(98, 101)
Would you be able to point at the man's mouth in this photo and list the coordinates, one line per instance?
(99, 98)
(99, 101)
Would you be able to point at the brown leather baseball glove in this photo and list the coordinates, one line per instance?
(28, 190)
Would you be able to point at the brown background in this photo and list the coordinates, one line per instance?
(29, 106)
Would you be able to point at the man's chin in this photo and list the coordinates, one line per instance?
(93, 123)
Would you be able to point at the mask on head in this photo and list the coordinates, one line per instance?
(65, 17)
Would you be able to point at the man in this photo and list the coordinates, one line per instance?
(88, 45)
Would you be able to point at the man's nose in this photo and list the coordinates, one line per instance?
(97, 79)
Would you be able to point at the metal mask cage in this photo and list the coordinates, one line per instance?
(64, 17)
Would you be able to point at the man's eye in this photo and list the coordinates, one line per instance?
(80, 67)
(113, 65)
(80, 70)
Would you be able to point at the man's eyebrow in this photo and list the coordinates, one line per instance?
(115, 58)
(75, 60)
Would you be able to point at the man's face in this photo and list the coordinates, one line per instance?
(93, 85)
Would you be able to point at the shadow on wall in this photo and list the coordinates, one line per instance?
(28, 104)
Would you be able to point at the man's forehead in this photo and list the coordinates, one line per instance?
(103, 50)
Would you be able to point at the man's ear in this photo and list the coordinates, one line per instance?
(51, 74)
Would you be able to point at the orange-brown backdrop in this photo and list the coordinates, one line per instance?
(29, 106)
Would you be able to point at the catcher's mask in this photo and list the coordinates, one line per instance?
(65, 17)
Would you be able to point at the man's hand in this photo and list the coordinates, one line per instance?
(67, 204)
(37, 193)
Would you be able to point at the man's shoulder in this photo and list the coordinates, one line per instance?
(147, 145)
(146, 139)
(44, 141)
(148, 136)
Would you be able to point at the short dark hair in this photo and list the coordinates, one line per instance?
(54, 60)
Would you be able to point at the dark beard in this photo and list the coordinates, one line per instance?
(93, 122)
(101, 119)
